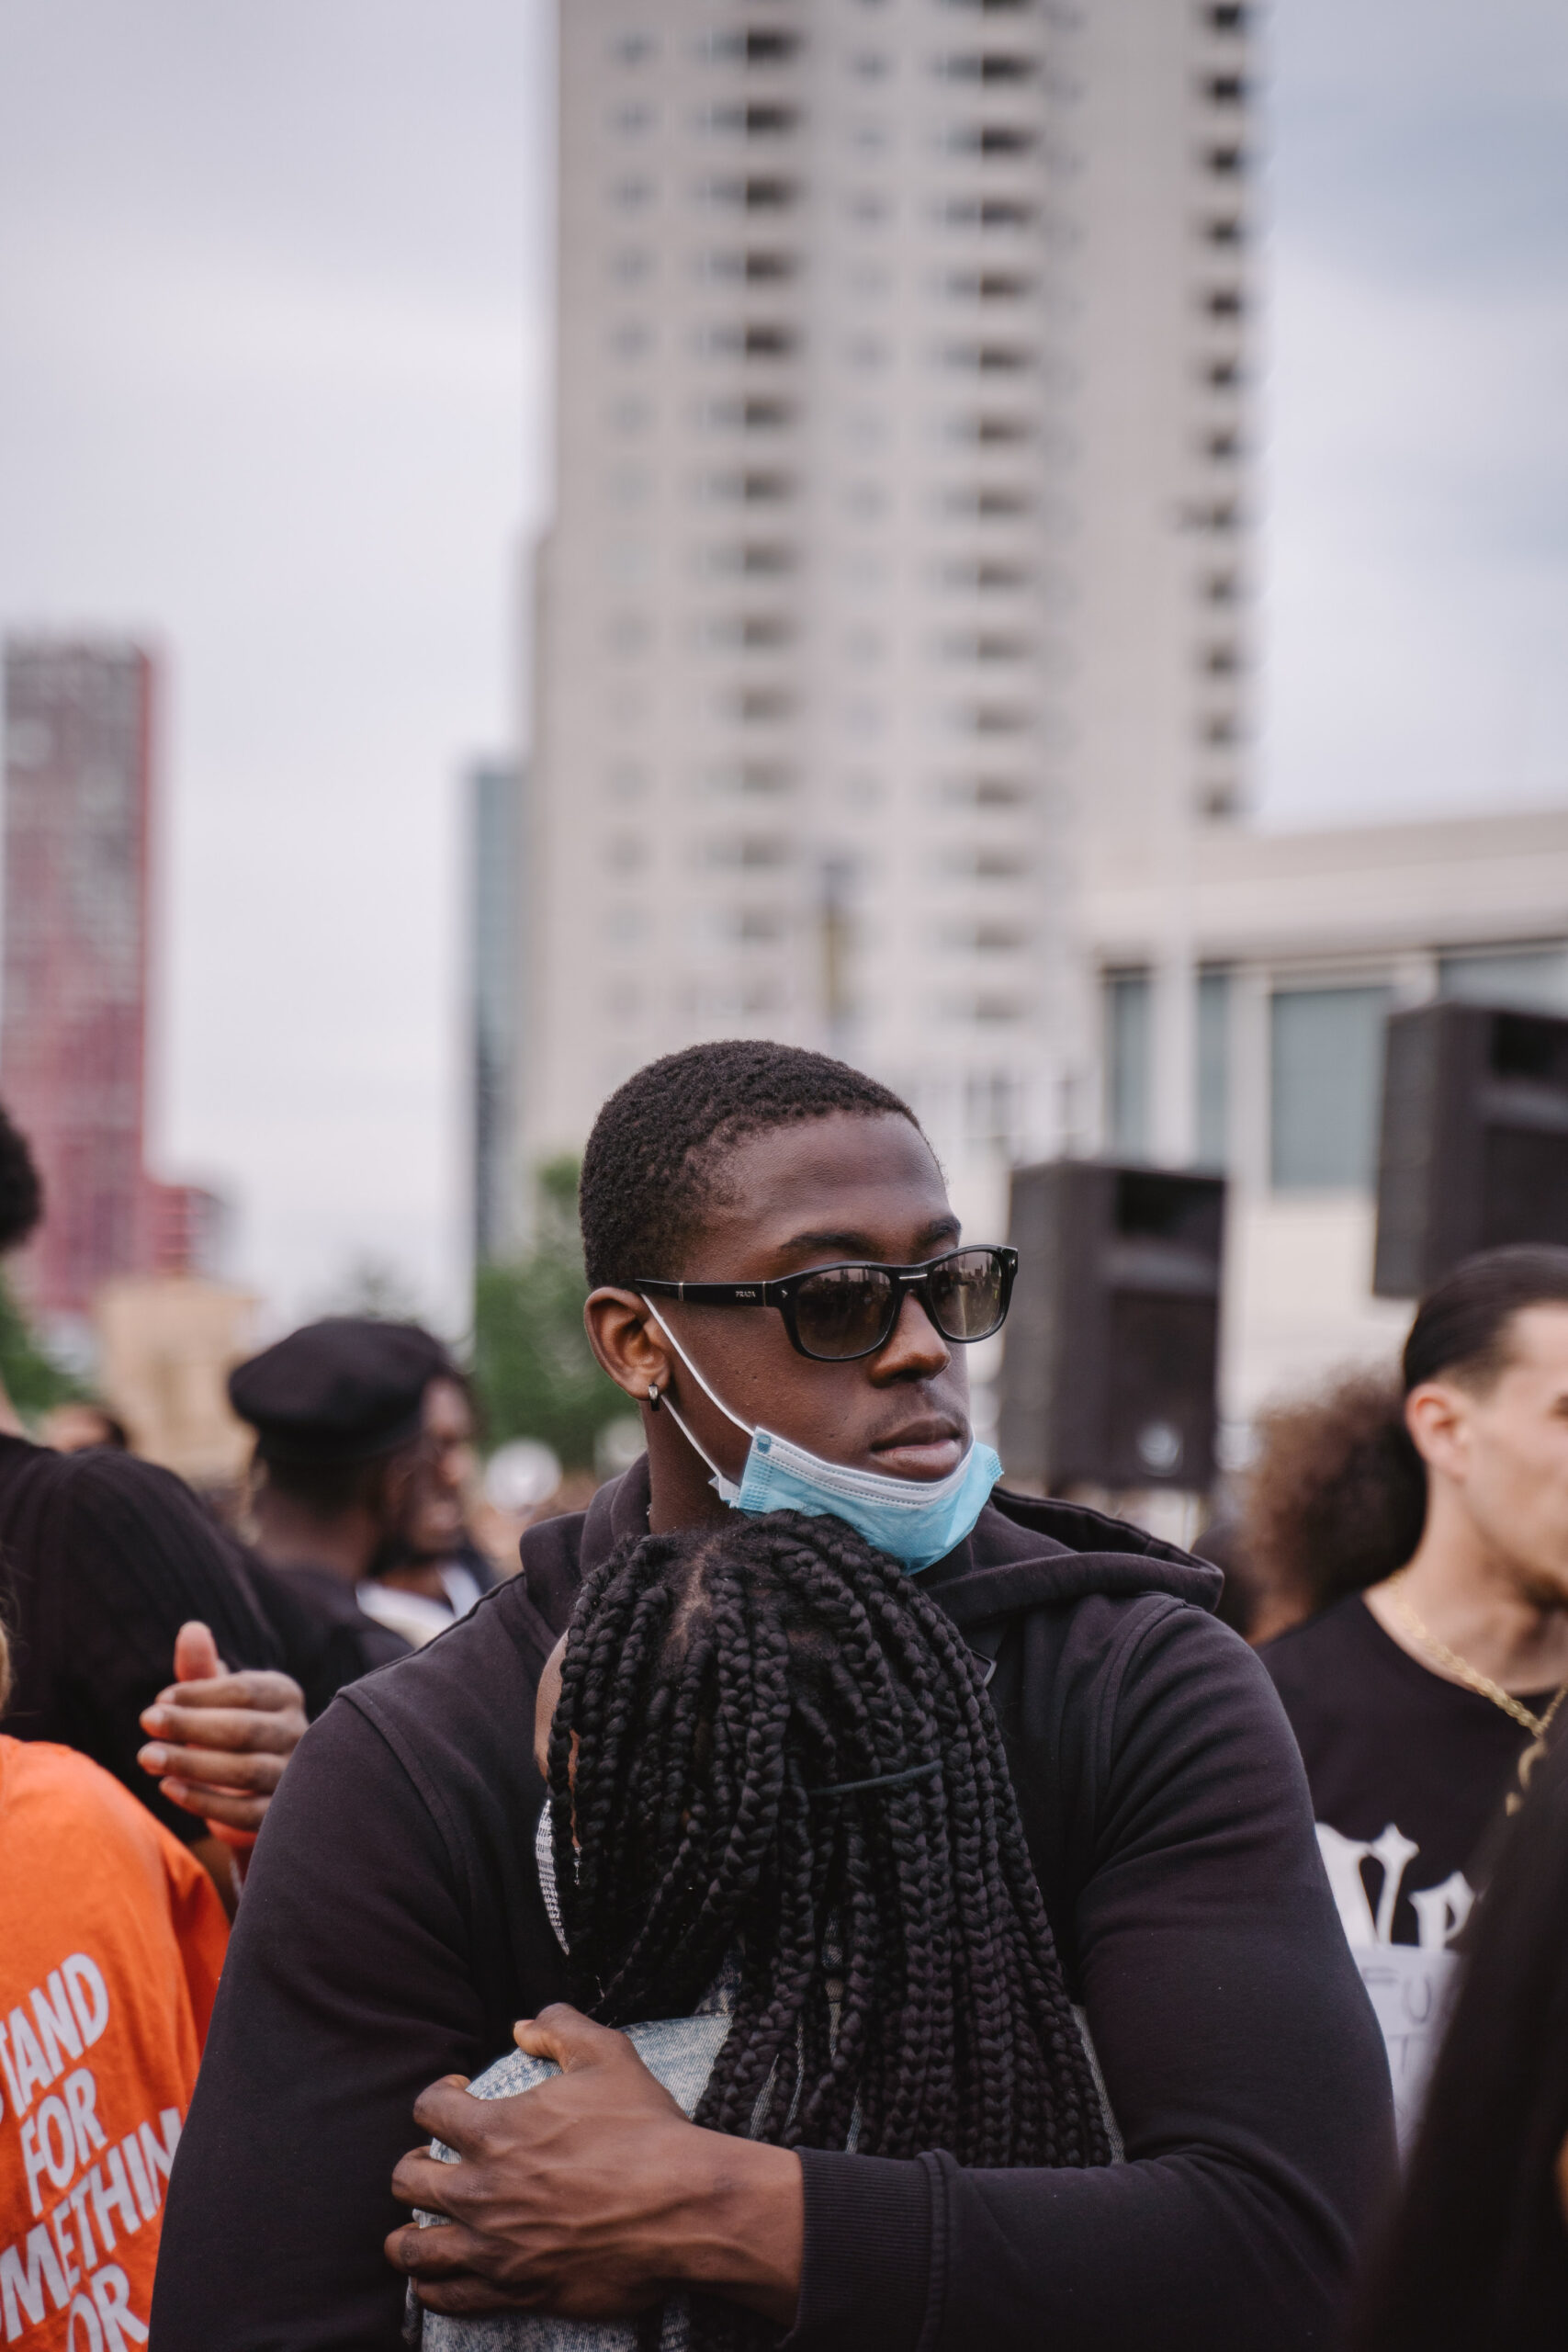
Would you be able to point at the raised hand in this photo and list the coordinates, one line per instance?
(219, 1742)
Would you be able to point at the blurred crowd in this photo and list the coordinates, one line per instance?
(1396, 1553)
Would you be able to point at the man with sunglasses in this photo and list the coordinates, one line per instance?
(780, 1283)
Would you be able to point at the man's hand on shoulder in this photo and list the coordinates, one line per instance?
(219, 1742)
(592, 2194)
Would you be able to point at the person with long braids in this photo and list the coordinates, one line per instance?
(778, 1793)
(778, 1281)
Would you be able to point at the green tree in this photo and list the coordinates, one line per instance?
(33, 1381)
(534, 1369)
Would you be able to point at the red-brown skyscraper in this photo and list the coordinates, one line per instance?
(73, 1013)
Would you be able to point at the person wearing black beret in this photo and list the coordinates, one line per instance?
(338, 1410)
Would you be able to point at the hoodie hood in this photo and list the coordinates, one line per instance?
(1024, 1552)
(1029, 1552)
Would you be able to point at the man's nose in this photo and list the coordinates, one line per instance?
(915, 1350)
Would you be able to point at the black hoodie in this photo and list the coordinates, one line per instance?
(393, 1928)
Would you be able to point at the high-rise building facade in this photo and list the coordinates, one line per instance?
(73, 1010)
(899, 568)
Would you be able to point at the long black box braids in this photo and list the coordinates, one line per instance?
(735, 1775)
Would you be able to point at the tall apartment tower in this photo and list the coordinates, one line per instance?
(899, 567)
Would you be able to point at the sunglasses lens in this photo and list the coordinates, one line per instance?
(967, 1292)
(844, 1311)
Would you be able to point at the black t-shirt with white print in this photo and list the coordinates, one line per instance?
(1407, 1772)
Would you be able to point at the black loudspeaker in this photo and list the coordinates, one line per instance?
(1474, 1145)
(1113, 1343)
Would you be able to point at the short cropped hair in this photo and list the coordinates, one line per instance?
(328, 1489)
(1462, 1327)
(653, 1160)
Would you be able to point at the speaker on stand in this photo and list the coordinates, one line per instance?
(1474, 1152)
(1109, 1371)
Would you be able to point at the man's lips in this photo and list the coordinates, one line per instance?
(924, 1449)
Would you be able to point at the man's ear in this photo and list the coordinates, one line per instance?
(1434, 1414)
(627, 1342)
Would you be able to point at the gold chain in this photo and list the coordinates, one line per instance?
(1470, 1676)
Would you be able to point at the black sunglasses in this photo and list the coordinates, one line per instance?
(834, 1313)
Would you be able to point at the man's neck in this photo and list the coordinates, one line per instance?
(289, 1536)
(681, 1492)
(1478, 1605)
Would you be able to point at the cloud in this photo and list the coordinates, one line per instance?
(273, 343)
(1418, 467)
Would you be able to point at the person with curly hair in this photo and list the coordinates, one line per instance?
(1334, 1501)
(1424, 1524)
(781, 1285)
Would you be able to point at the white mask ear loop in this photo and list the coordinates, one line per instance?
(662, 1399)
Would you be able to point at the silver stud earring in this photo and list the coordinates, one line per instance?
(653, 1397)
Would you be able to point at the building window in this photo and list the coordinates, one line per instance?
(990, 67)
(760, 779)
(987, 212)
(1129, 1024)
(753, 489)
(1212, 1122)
(751, 415)
(756, 195)
(758, 45)
(993, 138)
(757, 122)
(991, 286)
(1522, 979)
(1326, 1080)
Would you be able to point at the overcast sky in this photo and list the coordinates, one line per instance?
(274, 318)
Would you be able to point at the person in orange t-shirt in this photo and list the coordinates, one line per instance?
(111, 1941)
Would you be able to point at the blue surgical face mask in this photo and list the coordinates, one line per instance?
(916, 1521)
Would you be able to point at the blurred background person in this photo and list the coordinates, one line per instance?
(1433, 1547)
(1334, 1502)
(338, 1408)
(111, 1941)
(108, 1565)
(1478, 2251)
(74, 1426)
(432, 1571)
(1247, 1603)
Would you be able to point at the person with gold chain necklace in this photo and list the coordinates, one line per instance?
(1423, 1704)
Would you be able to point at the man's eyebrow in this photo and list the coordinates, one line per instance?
(863, 1245)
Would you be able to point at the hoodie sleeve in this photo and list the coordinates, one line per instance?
(1238, 2049)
